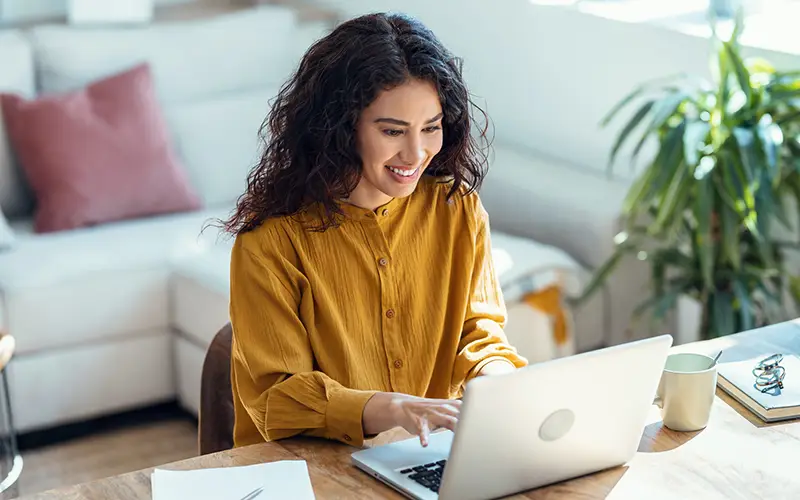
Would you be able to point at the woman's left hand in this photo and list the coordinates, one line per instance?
(497, 367)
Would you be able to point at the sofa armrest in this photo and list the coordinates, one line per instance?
(554, 203)
(576, 210)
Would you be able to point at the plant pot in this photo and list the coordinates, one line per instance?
(688, 318)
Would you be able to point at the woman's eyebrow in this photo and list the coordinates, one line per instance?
(395, 121)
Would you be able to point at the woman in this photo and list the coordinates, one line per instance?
(363, 296)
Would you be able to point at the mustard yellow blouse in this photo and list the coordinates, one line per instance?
(400, 299)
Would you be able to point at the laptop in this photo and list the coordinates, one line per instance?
(545, 423)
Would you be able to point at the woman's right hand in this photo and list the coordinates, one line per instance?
(418, 416)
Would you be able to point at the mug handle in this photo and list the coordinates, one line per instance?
(658, 401)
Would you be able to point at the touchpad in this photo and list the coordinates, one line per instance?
(556, 425)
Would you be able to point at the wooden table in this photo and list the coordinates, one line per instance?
(735, 457)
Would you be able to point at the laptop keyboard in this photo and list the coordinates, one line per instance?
(428, 475)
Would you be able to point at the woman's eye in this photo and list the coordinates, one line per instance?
(433, 129)
(393, 132)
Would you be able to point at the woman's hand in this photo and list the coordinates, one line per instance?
(419, 416)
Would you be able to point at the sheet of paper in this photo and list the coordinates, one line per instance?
(284, 479)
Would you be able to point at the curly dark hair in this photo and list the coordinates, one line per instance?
(311, 157)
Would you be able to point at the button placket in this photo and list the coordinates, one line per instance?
(390, 326)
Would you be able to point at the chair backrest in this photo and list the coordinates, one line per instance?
(216, 396)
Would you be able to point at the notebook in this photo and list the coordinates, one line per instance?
(736, 378)
(283, 479)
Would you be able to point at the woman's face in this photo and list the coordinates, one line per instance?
(397, 136)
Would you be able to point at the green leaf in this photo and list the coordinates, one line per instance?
(759, 65)
(738, 27)
(703, 236)
(661, 304)
(788, 118)
(745, 306)
(781, 212)
(784, 94)
(772, 304)
(745, 139)
(742, 75)
(792, 185)
(729, 228)
(722, 307)
(779, 75)
(794, 287)
(729, 188)
(638, 192)
(694, 138)
(743, 165)
(629, 127)
(672, 174)
(766, 208)
(757, 273)
(602, 273)
(770, 136)
(662, 110)
(671, 202)
(638, 92)
(621, 104)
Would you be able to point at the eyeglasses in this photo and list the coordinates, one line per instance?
(769, 374)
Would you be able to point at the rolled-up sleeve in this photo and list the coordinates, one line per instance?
(482, 338)
(272, 363)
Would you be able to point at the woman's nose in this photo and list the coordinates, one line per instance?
(413, 152)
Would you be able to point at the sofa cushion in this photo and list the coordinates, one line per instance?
(91, 380)
(524, 265)
(64, 288)
(17, 75)
(99, 154)
(200, 287)
(191, 59)
(217, 140)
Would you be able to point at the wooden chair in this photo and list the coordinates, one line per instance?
(215, 430)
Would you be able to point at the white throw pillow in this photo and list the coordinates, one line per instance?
(6, 235)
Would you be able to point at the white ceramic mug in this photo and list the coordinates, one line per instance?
(686, 391)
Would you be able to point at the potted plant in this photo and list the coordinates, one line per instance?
(708, 210)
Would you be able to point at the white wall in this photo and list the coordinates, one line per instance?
(548, 73)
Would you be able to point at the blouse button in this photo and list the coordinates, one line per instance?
(383, 261)
(390, 313)
(398, 363)
(385, 212)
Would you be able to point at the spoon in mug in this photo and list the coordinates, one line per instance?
(716, 359)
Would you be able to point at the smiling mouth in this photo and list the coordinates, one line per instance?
(403, 172)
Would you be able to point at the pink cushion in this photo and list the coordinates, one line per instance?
(99, 154)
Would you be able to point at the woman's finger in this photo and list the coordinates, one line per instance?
(438, 420)
(438, 402)
(448, 410)
(425, 431)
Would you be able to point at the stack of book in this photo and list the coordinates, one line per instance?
(736, 378)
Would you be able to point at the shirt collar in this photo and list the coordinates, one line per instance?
(382, 212)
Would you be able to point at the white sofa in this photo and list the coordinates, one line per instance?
(120, 315)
